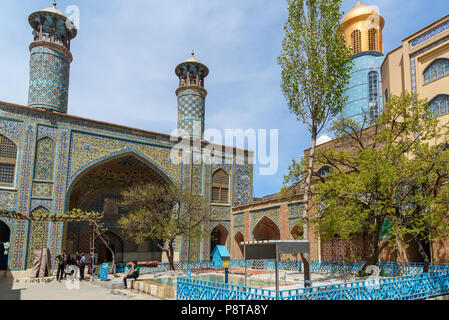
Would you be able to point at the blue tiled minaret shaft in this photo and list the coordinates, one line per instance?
(50, 59)
(362, 28)
(191, 97)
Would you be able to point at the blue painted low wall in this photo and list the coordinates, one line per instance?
(412, 287)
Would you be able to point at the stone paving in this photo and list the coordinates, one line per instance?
(50, 289)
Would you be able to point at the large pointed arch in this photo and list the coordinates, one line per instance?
(5, 236)
(239, 239)
(266, 229)
(218, 236)
(99, 188)
(116, 155)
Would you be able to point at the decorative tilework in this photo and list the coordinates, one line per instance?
(18, 249)
(428, 35)
(191, 108)
(11, 128)
(45, 131)
(220, 212)
(239, 223)
(242, 184)
(292, 222)
(45, 157)
(197, 179)
(49, 79)
(102, 148)
(8, 200)
(295, 210)
(37, 237)
(35, 203)
(42, 190)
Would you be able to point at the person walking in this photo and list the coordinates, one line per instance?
(133, 273)
(82, 264)
(60, 260)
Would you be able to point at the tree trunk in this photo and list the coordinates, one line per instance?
(108, 247)
(306, 256)
(423, 254)
(170, 255)
(373, 259)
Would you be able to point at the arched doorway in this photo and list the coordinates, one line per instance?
(115, 243)
(99, 189)
(266, 229)
(5, 234)
(218, 237)
(297, 233)
(239, 238)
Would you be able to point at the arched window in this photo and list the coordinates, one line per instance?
(220, 187)
(437, 69)
(386, 95)
(372, 39)
(373, 100)
(440, 105)
(8, 157)
(324, 171)
(356, 41)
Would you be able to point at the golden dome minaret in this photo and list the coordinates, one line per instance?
(362, 29)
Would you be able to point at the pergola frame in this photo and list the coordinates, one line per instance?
(265, 250)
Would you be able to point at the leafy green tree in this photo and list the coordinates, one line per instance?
(392, 174)
(163, 213)
(315, 71)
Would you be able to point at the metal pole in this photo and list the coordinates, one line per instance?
(277, 274)
(244, 253)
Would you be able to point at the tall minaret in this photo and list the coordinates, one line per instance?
(191, 96)
(50, 59)
(362, 29)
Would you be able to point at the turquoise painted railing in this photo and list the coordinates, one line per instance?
(412, 287)
(387, 268)
(189, 289)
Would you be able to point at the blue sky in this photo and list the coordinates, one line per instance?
(126, 51)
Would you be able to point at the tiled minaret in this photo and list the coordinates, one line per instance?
(362, 28)
(191, 96)
(50, 59)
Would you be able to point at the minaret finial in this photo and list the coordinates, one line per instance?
(54, 4)
(193, 53)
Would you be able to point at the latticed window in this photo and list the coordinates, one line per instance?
(438, 69)
(8, 156)
(373, 96)
(440, 105)
(220, 187)
(356, 41)
(372, 39)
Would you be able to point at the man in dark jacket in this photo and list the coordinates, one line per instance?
(60, 260)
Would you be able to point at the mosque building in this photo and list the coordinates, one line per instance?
(419, 65)
(52, 161)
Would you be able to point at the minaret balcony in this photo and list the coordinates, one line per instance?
(62, 41)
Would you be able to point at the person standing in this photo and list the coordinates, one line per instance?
(133, 273)
(82, 264)
(60, 260)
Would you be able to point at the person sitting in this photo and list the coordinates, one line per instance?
(133, 273)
